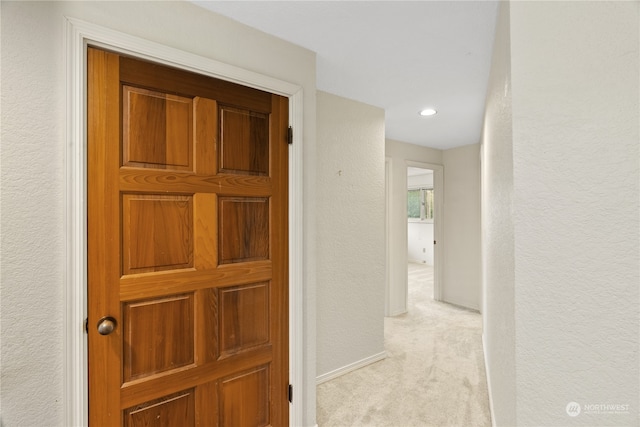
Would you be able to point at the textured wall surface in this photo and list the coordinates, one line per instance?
(561, 235)
(33, 176)
(399, 152)
(33, 241)
(461, 252)
(576, 204)
(420, 242)
(498, 269)
(351, 239)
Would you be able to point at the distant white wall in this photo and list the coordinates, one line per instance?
(561, 203)
(461, 243)
(34, 90)
(400, 153)
(351, 232)
(420, 242)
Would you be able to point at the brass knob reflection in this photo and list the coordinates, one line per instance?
(106, 325)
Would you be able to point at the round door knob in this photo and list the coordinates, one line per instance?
(106, 325)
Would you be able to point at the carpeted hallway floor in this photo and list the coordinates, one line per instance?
(433, 375)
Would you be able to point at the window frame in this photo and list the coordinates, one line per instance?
(424, 218)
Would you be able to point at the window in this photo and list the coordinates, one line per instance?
(420, 204)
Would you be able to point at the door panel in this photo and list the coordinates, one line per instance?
(244, 229)
(158, 335)
(244, 146)
(187, 226)
(174, 410)
(157, 232)
(157, 129)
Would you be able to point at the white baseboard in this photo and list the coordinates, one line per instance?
(486, 371)
(350, 367)
(397, 313)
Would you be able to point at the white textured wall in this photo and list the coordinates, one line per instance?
(420, 242)
(399, 153)
(33, 176)
(561, 206)
(461, 243)
(498, 266)
(576, 204)
(350, 211)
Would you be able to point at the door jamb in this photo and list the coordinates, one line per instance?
(438, 224)
(78, 35)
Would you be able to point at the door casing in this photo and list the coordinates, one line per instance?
(78, 36)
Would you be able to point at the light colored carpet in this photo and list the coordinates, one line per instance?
(433, 375)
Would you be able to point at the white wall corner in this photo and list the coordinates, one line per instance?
(350, 367)
(488, 375)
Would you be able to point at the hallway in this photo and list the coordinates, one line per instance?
(433, 374)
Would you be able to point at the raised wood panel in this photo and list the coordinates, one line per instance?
(244, 399)
(158, 336)
(244, 317)
(243, 229)
(157, 130)
(244, 141)
(157, 233)
(175, 410)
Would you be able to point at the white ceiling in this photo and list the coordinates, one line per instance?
(402, 56)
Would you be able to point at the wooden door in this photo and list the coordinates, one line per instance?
(187, 248)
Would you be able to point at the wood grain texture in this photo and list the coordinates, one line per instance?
(243, 229)
(190, 259)
(179, 82)
(157, 129)
(206, 130)
(158, 336)
(244, 318)
(173, 410)
(244, 399)
(157, 233)
(140, 286)
(103, 264)
(244, 141)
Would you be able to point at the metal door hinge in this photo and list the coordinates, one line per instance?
(290, 135)
(434, 242)
(86, 325)
(290, 393)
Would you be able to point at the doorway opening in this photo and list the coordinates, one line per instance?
(420, 232)
(424, 222)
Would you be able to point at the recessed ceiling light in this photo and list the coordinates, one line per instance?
(428, 112)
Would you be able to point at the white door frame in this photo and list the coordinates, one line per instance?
(78, 36)
(438, 220)
(388, 189)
